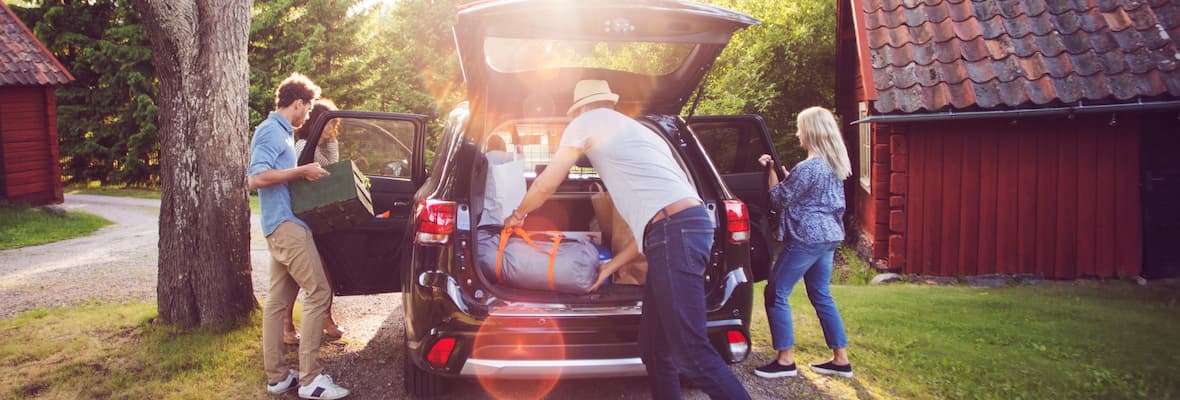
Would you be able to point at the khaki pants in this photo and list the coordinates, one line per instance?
(294, 263)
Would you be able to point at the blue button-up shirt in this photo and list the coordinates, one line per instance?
(811, 203)
(273, 147)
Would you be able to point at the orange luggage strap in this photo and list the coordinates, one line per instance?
(507, 233)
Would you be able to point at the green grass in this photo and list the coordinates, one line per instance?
(139, 193)
(116, 351)
(22, 226)
(117, 191)
(1083, 340)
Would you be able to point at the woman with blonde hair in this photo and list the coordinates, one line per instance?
(810, 202)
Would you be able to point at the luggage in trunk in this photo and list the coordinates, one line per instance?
(570, 268)
(334, 202)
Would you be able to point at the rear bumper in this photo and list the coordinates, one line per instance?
(532, 344)
(541, 369)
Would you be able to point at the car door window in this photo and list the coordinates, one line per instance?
(378, 147)
(734, 150)
(734, 144)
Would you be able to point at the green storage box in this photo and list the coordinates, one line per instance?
(334, 202)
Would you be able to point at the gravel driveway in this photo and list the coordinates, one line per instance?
(118, 263)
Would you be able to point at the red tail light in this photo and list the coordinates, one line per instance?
(440, 354)
(739, 347)
(436, 222)
(737, 221)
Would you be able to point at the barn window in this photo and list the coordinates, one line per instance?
(866, 147)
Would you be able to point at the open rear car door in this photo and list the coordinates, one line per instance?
(389, 149)
(734, 144)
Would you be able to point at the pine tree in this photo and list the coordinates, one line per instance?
(107, 116)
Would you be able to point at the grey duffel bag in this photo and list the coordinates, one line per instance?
(527, 264)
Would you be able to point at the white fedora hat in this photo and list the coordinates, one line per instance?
(591, 91)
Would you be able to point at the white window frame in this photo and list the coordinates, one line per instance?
(866, 148)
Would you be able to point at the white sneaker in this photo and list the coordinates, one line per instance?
(280, 387)
(322, 388)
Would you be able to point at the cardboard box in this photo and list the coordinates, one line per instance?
(334, 202)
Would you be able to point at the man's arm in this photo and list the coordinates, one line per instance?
(545, 184)
(272, 177)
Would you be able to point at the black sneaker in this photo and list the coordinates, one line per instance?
(776, 370)
(832, 369)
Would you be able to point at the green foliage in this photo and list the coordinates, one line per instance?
(776, 69)
(350, 52)
(854, 270)
(381, 56)
(106, 118)
(412, 62)
(359, 56)
(20, 226)
(315, 38)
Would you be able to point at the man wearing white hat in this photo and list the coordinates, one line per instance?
(662, 207)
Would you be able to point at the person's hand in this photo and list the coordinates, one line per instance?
(314, 171)
(605, 271)
(765, 160)
(514, 219)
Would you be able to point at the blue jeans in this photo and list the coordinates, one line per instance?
(813, 263)
(672, 336)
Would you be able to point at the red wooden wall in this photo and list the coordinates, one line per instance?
(1052, 197)
(28, 141)
(868, 212)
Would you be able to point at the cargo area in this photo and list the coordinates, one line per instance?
(512, 156)
(573, 215)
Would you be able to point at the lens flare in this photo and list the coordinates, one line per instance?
(532, 338)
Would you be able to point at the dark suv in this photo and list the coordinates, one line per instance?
(520, 60)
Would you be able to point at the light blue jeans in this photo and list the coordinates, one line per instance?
(811, 262)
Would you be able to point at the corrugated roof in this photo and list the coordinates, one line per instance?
(23, 60)
(952, 54)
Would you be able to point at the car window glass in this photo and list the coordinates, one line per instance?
(534, 143)
(524, 54)
(734, 150)
(378, 147)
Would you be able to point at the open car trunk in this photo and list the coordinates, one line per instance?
(570, 211)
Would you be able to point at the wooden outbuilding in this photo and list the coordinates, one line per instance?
(30, 169)
(1013, 136)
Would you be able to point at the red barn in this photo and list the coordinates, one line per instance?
(30, 171)
(1013, 136)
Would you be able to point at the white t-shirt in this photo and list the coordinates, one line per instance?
(636, 165)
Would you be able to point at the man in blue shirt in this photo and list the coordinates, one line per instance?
(295, 263)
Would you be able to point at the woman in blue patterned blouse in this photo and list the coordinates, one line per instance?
(811, 203)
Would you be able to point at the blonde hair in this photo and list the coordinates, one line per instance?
(821, 135)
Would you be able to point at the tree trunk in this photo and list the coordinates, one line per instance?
(199, 49)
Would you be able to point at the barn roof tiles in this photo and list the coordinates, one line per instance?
(23, 60)
(930, 55)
